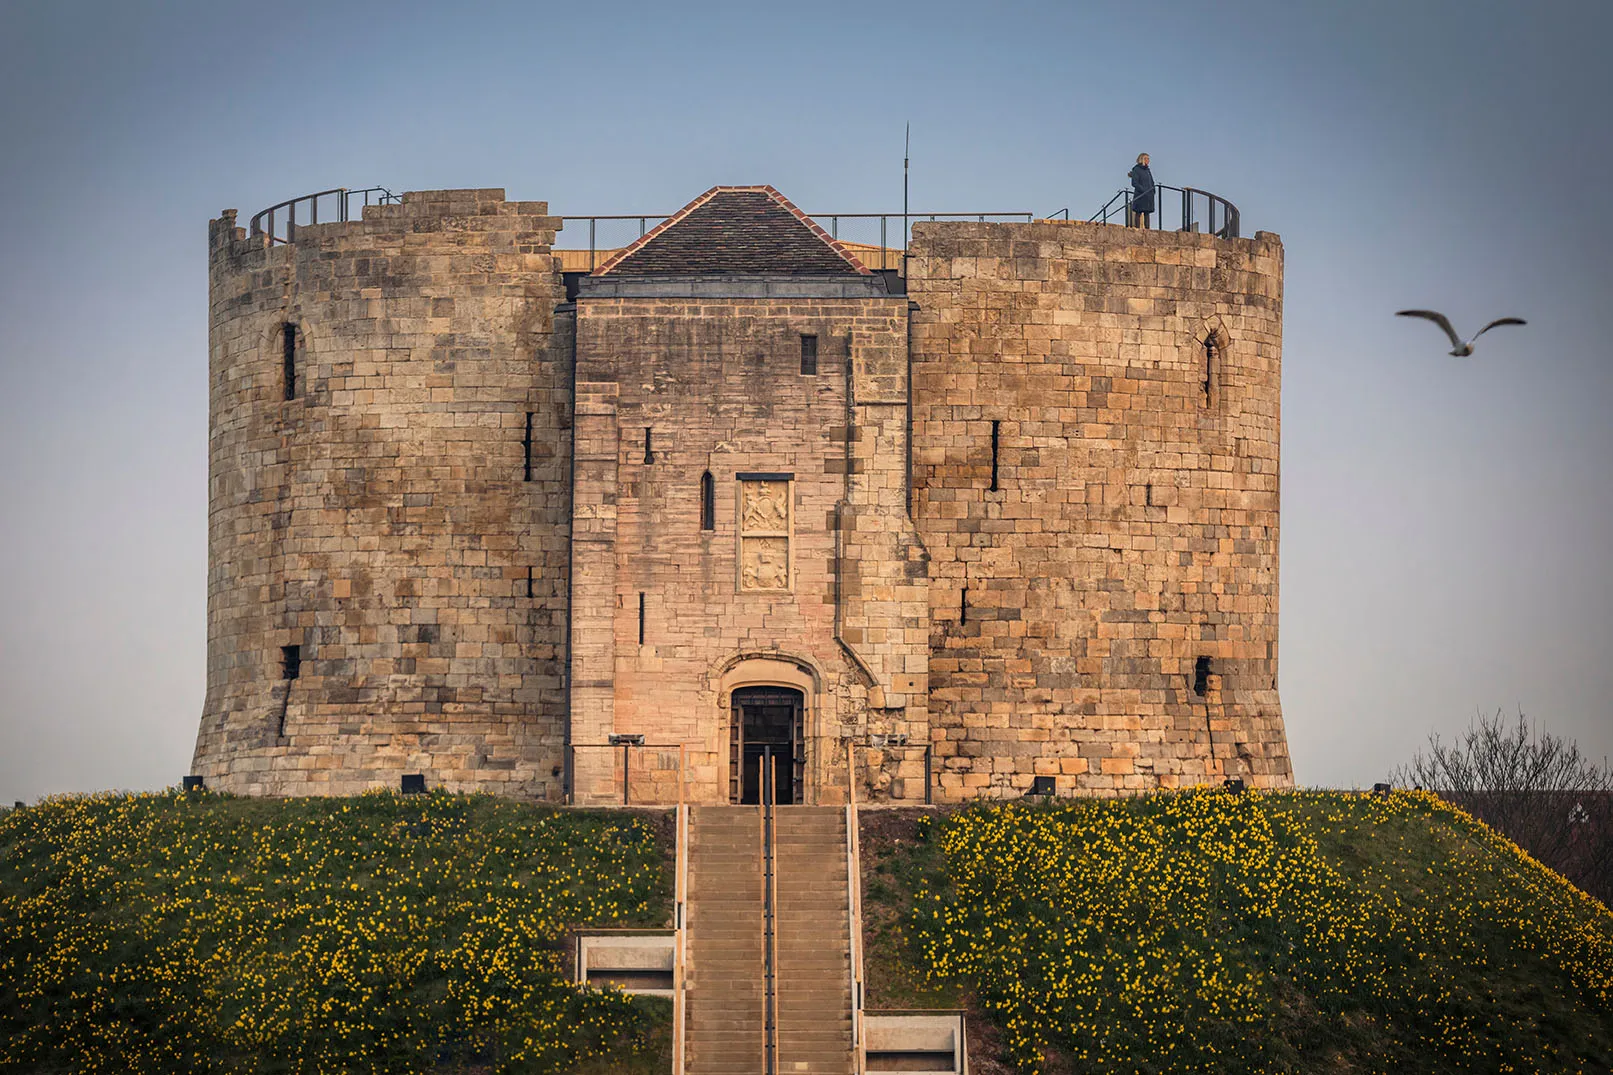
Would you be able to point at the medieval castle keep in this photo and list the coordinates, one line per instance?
(1011, 514)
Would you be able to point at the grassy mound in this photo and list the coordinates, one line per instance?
(1211, 932)
(172, 933)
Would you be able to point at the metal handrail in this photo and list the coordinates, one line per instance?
(834, 220)
(1120, 205)
(267, 221)
(341, 196)
(929, 763)
(766, 792)
(627, 748)
(680, 884)
(854, 911)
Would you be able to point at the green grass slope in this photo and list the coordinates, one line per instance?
(170, 933)
(1211, 932)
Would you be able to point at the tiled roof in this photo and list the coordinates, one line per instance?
(735, 231)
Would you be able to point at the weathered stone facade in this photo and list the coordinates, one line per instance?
(378, 519)
(1104, 597)
(1019, 515)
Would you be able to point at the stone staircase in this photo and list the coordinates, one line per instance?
(814, 941)
(725, 972)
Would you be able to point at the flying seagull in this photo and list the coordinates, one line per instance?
(1462, 349)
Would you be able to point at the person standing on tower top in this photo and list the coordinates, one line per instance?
(1142, 192)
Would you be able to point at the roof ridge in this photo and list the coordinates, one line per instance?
(840, 251)
(816, 229)
(637, 244)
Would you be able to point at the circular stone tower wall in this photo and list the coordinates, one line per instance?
(1096, 480)
(389, 507)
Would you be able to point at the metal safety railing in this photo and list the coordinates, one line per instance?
(641, 774)
(900, 746)
(767, 793)
(867, 234)
(854, 910)
(279, 221)
(680, 1000)
(1195, 211)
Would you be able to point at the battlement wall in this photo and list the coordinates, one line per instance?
(1095, 437)
(389, 494)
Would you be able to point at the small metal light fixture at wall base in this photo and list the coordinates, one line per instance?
(1234, 785)
(1381, 788)
(1043, 785)
(413, 784)
(194, 783)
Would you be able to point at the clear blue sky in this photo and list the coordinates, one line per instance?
(1446, 523)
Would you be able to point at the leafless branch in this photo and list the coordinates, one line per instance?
(1538, 789)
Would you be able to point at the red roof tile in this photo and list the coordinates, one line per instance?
(735, 231)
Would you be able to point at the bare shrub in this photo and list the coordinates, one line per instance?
(1536, 788)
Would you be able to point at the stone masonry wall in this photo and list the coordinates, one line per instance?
(385, 519)
(1089, 591)
(1107, 615)
(718, 384)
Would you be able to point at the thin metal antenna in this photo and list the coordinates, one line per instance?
(907, 143)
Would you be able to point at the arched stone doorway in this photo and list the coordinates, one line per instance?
(770, 703)
(765, 732)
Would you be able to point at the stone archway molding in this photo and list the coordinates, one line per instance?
(769, 668)
(778, 668)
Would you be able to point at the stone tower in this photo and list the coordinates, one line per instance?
(1009, 515)
(388, 501)
(1096, 444)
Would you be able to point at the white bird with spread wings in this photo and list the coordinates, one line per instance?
(1462, 350)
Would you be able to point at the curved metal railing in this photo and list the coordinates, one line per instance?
(1219, 217)
(1200, 211)
(338, 203)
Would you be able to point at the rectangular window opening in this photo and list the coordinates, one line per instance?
(1209, 367)
(1149, 495)
(290, 662)
(708, 502)
(529, 575)
(996, 427)
(809, 354)
(288, 344)
(1201, 676)
(526, 449)
(641, 618)
(963, 606)
(649, 445)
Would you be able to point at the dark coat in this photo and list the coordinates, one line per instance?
(1142, 189)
